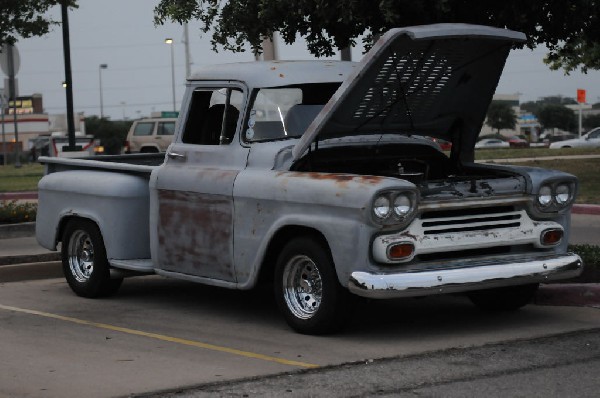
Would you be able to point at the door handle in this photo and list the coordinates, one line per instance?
(176, 156)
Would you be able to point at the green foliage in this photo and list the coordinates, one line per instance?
(12, 212)
(25, 178)
(559, 116)
(591, 121)
(111, 134)
(564, 27)
(590, 254)
(26, 18)
(501, 116)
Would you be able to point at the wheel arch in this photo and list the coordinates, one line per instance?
(276, 243)
(67, 218)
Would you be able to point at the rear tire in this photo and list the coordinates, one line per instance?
(84, 261)
(307, 290)
(509, 298)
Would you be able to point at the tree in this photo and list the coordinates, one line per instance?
(553, 116)
(591, 121)
(26, 18)
(501, 116)
(565, 27)
(111, 134)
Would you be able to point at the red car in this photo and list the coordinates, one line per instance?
(518, 142)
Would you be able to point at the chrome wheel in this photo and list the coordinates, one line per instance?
(302, 286)
(80, 252)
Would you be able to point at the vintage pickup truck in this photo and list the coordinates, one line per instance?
(321, 178)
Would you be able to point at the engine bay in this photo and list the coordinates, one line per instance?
(432, 171)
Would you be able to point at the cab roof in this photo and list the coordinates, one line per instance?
(277, 73)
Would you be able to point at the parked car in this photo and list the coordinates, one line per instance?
(444, 145)
(150, 135)
(489, 143)
(518, 142)
(591, 139)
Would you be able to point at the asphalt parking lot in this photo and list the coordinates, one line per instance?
(159, 334)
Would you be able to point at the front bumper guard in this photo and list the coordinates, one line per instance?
(471, 277)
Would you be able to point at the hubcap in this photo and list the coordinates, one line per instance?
(302, 287)
(80, 252)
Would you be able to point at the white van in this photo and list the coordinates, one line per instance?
(150, 135)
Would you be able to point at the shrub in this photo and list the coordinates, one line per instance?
(590, 254)
(13, 212)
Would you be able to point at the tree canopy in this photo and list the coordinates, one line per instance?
(501, 116)
(553, 116)
(569, 29)
(26, 18)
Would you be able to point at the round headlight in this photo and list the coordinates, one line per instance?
(563, 194)
(545, 196)
(382, 207)
(402, 205)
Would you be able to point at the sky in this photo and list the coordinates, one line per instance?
(137, 80)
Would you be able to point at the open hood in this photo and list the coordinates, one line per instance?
(433, 80)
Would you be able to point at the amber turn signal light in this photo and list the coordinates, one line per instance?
(551, 237)
(401, 251)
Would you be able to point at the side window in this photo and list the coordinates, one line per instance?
(166, 128)
(595, 134)
(213, 116)
(143, 129)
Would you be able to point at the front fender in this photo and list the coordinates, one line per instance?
(336, 205)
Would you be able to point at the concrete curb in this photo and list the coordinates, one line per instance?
(20, 230)
(569, 294)
(29, 258)
(25, 195)
(586, 209)
(31, 271)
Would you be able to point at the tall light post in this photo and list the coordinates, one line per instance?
(102, 66)
(169, 41)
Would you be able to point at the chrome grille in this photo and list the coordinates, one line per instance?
(469, 220)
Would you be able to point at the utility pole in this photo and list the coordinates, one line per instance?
(186, 42)
(12, 92)
(68, 79)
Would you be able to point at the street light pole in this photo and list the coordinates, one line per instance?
(169, 41)
(102, 66)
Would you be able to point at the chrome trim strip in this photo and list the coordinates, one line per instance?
(497, 274)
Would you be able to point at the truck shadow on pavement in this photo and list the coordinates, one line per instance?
(448, 315)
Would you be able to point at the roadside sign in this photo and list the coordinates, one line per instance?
(169, 114)
(581, 96)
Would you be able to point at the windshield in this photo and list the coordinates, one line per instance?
(285, 112)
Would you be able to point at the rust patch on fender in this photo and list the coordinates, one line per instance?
(341, 180)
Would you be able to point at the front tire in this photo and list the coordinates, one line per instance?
(509, 298)
(84, 261)
(307, 290)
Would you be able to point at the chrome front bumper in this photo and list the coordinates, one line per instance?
(484, 275)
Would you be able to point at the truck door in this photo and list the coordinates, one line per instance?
(192, 193)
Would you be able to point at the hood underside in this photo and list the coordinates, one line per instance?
(434, 80)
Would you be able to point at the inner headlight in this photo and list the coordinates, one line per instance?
(402, 205)
(545, 196)
(381, 207)
(563, 194)
(556, 195)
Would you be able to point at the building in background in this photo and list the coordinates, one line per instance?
(32, 121)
